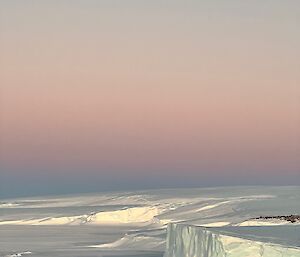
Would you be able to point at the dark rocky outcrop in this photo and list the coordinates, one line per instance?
(289, 218)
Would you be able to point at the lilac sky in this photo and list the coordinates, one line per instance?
(114, 95)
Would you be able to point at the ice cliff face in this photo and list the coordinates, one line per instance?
(191, 241)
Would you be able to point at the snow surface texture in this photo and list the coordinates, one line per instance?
(191, 241)
(130, 223)
(128, 216)
(17, 254)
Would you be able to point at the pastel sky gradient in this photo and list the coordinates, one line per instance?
(114, 94)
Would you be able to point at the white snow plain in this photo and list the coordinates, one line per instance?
(131, 223)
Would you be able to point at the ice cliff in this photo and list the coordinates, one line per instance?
(192, 241)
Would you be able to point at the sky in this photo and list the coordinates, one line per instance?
(136, 94)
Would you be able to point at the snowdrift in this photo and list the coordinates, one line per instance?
(127, 216)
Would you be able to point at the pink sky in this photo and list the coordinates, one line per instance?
(183, 91)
